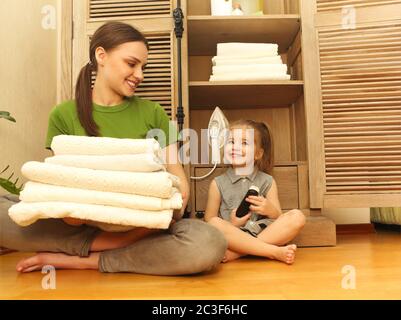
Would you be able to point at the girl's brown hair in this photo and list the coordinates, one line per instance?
(266, 163)
(109, 36)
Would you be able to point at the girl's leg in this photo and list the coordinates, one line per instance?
(279, 233)
(243, 243)
(284, 229)
(189, 246)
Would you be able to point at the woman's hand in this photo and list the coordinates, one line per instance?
(173, 166)
(262, 206)
(178, 213)
(238, 222)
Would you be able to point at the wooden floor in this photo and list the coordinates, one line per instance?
(316, 274)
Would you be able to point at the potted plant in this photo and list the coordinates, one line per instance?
(6, 183)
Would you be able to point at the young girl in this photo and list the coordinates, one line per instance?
(118, 55)
(265, 230)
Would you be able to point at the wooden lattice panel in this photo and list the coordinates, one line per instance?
(100, 9)
(331, 5)
(361, 99)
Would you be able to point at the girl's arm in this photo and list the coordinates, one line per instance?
(269, 205)
(272, 197)
(213, 207)
(174, 167)
(213, 201)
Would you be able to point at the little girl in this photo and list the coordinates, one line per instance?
(265, 230)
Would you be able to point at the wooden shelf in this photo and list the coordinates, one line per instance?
(204, 32)
(238, 94)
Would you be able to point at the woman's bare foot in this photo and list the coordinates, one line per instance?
(286, 254)
(59, 261)
(230, 256)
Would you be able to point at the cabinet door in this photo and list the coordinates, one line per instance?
(155, 19)
(352, 63)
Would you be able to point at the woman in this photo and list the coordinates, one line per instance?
(118, 55)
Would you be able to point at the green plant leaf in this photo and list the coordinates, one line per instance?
(10, 186)
(6, 115)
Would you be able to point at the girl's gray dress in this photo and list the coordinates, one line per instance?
(233, 188)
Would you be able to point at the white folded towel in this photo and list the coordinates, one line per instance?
(24, 214)
(240, 60)
(143, 162)
(256, 76)
(240, 48)
(82, 145)
(40, 192)
(248, 68)
(156, 184)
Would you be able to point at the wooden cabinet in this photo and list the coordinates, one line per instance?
(278, 103)
(291, 178)
(352, 69)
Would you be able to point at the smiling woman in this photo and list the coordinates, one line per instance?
(118, 54)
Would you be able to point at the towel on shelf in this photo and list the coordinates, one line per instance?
(245, 59)
(143, 162)
(254, 76)
(250, 68)
(40, 192)
(25, 214)
(253, 49)
(157, 184)
(83, 145)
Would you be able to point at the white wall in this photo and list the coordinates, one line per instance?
(27, 79)
(348, 216)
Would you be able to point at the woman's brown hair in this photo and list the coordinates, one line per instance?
(266, 163)
(108, 36)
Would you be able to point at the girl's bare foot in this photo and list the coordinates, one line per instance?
(231, 255)
(59, 261)
(286, 254)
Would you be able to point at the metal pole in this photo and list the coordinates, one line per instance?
(179, 30)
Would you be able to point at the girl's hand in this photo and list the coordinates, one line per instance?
(261, 205)
(238, 222)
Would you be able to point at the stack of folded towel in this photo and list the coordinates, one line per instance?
(248, 61)
(116, 184)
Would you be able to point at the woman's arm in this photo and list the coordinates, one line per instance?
(174, 167)
(213, 201)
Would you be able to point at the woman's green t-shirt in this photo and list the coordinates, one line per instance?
(132, 119)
